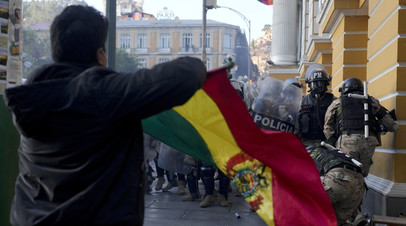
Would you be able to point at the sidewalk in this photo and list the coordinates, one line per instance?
(167, 208)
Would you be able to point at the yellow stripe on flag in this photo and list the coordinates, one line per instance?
(205, 116)
(252, 178)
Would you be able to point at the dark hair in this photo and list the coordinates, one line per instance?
(77, 33)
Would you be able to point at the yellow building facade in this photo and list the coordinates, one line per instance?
(365, 39)
(155, 41)
(165, 40)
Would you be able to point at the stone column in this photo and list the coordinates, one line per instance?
(285, 29)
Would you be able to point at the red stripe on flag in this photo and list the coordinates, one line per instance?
(299, 197)
(266, 2)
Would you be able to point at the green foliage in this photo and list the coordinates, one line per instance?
(267, 28)
(41, 11)
(126, 62)
(36, 51)
(36, 42)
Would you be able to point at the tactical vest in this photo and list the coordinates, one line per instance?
(351, 118)
(326, 159)
(315, 110)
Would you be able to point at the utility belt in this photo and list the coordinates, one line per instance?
(349, 167)
(361, 132)
(349, 132)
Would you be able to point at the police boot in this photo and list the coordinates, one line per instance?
(181, 187)
(161, 181)
(190, 197)
(168, 187)
(206, 201)
(223, 201)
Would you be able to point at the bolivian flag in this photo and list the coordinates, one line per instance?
(266, 2)
(272, 170)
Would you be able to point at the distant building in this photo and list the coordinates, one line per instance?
(261, 52)
(156, 41)
(125, 7)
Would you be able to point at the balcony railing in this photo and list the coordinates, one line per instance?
(208, 50)
(141, 50)
(187, 50)
(228, 50)
(164, 50)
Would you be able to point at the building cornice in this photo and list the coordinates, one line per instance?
(315, 39)
(288, 69)
(336, 15)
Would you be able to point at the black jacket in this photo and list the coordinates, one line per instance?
(81, 148)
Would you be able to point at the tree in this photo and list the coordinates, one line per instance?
(42, 11)
(36, 51)
(38, 16)
(267, 28)
(126, 62)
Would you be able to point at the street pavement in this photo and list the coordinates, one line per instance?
(167, 208)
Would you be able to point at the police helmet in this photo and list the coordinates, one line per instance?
(317, 72)
(292, 81)
(351, 85)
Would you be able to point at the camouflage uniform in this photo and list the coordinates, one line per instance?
(345, 188)
(342, 181)
(355, 144)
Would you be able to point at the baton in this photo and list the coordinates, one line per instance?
(331, 147)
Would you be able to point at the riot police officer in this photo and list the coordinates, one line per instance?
(343, 181)
(207, 175)
(314, 105)
(345, 125)
(290, 101)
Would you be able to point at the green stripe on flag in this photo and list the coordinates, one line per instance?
(173, 130)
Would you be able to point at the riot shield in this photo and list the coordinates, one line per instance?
(250, 93)
(173, 160)
(277, 105)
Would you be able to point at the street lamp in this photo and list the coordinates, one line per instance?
(207, 4)
(204, 32)
(248, 23)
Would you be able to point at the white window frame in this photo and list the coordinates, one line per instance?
(227, 41)
(142, 41)
(142, 63)
(208, 40)
(163, 60)
(164, 40)
(208, 63)
(125, 41)
(187, 41)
